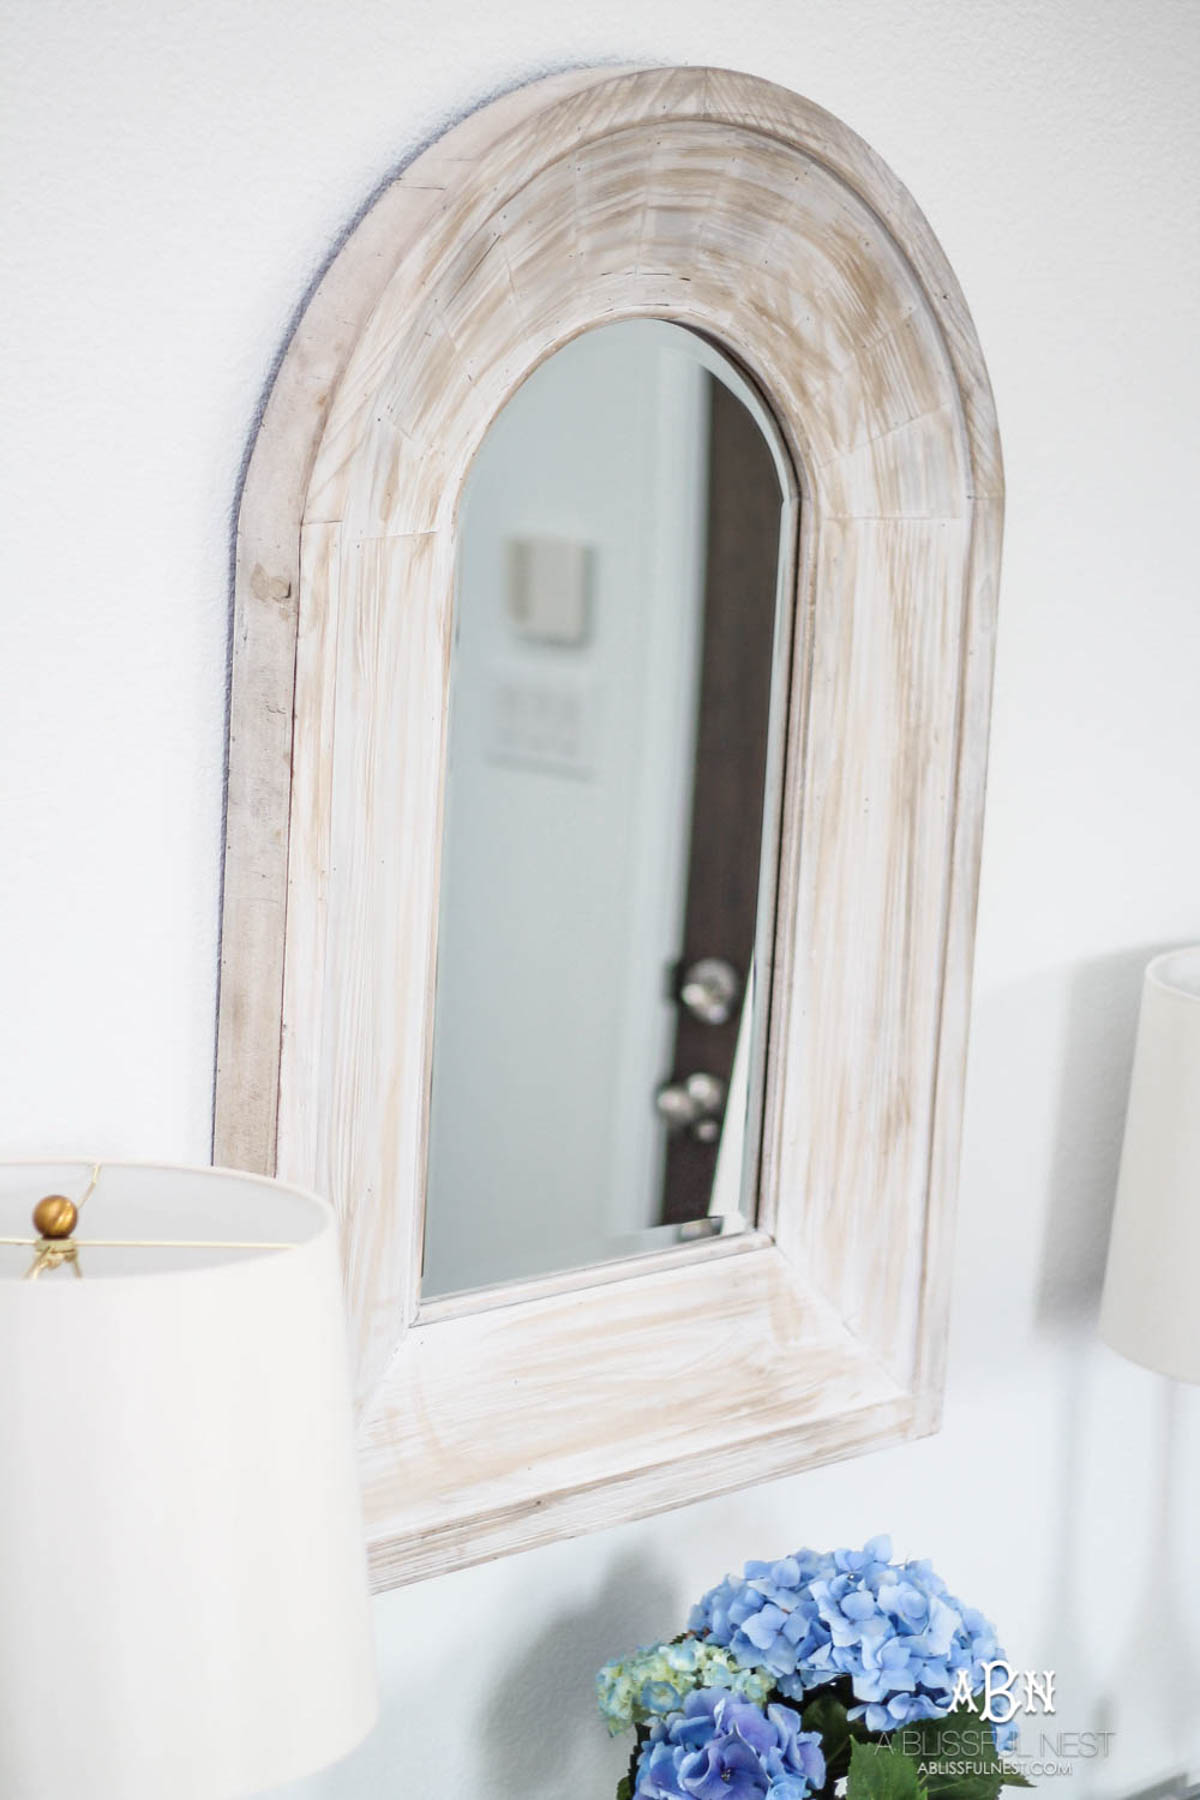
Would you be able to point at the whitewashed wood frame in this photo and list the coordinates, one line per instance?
(499, 1420)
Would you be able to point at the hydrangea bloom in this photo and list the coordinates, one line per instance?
(891, 1627)
(719, 1747)
(650, 1684)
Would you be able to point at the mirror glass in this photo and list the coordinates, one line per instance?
(618, 689)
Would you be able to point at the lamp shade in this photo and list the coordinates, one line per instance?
(183, 1593)
(1151, 1306)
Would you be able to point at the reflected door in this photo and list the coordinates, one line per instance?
(713, 983)
(608, 691)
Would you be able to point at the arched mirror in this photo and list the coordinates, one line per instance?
(616, 581)
(617, 704)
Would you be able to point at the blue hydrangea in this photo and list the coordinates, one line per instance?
(655, 1681)
(719, 1747)
(891, 1627)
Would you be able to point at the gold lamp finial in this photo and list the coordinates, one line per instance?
(55, 1217)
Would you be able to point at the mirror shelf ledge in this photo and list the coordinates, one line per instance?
(809, 1392)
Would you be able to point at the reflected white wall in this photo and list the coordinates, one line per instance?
(567, 815)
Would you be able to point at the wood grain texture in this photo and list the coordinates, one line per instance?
(730, 205)
(469, 1403)
(266, 589)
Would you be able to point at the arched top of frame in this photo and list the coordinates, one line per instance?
(713, 199)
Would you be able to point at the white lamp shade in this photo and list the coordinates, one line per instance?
(1151, 1306)
(183, 1594)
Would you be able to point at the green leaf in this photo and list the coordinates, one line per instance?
(877, 1773)
(967, 1787)
(826, 1712)
(625, 1790)
(973, 1787)
(940, 1747)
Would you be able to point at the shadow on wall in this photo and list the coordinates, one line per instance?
(542, 1742)
(1142, 1693)
(1097, 1045)
(1047, 1086)
(1096, 1061)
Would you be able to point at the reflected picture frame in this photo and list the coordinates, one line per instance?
(499, 1419)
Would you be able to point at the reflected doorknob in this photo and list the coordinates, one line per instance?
(694, 1104)
(709, 990)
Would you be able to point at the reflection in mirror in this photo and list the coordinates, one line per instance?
(617, 696)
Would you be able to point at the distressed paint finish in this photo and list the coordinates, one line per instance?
(266, 601)
(479, 1400)
(733, 206)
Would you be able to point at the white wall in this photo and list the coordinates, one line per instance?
(177, 174)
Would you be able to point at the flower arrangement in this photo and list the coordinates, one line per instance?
(819, 1675)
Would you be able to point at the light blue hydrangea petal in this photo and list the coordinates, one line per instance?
(892, 1627)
